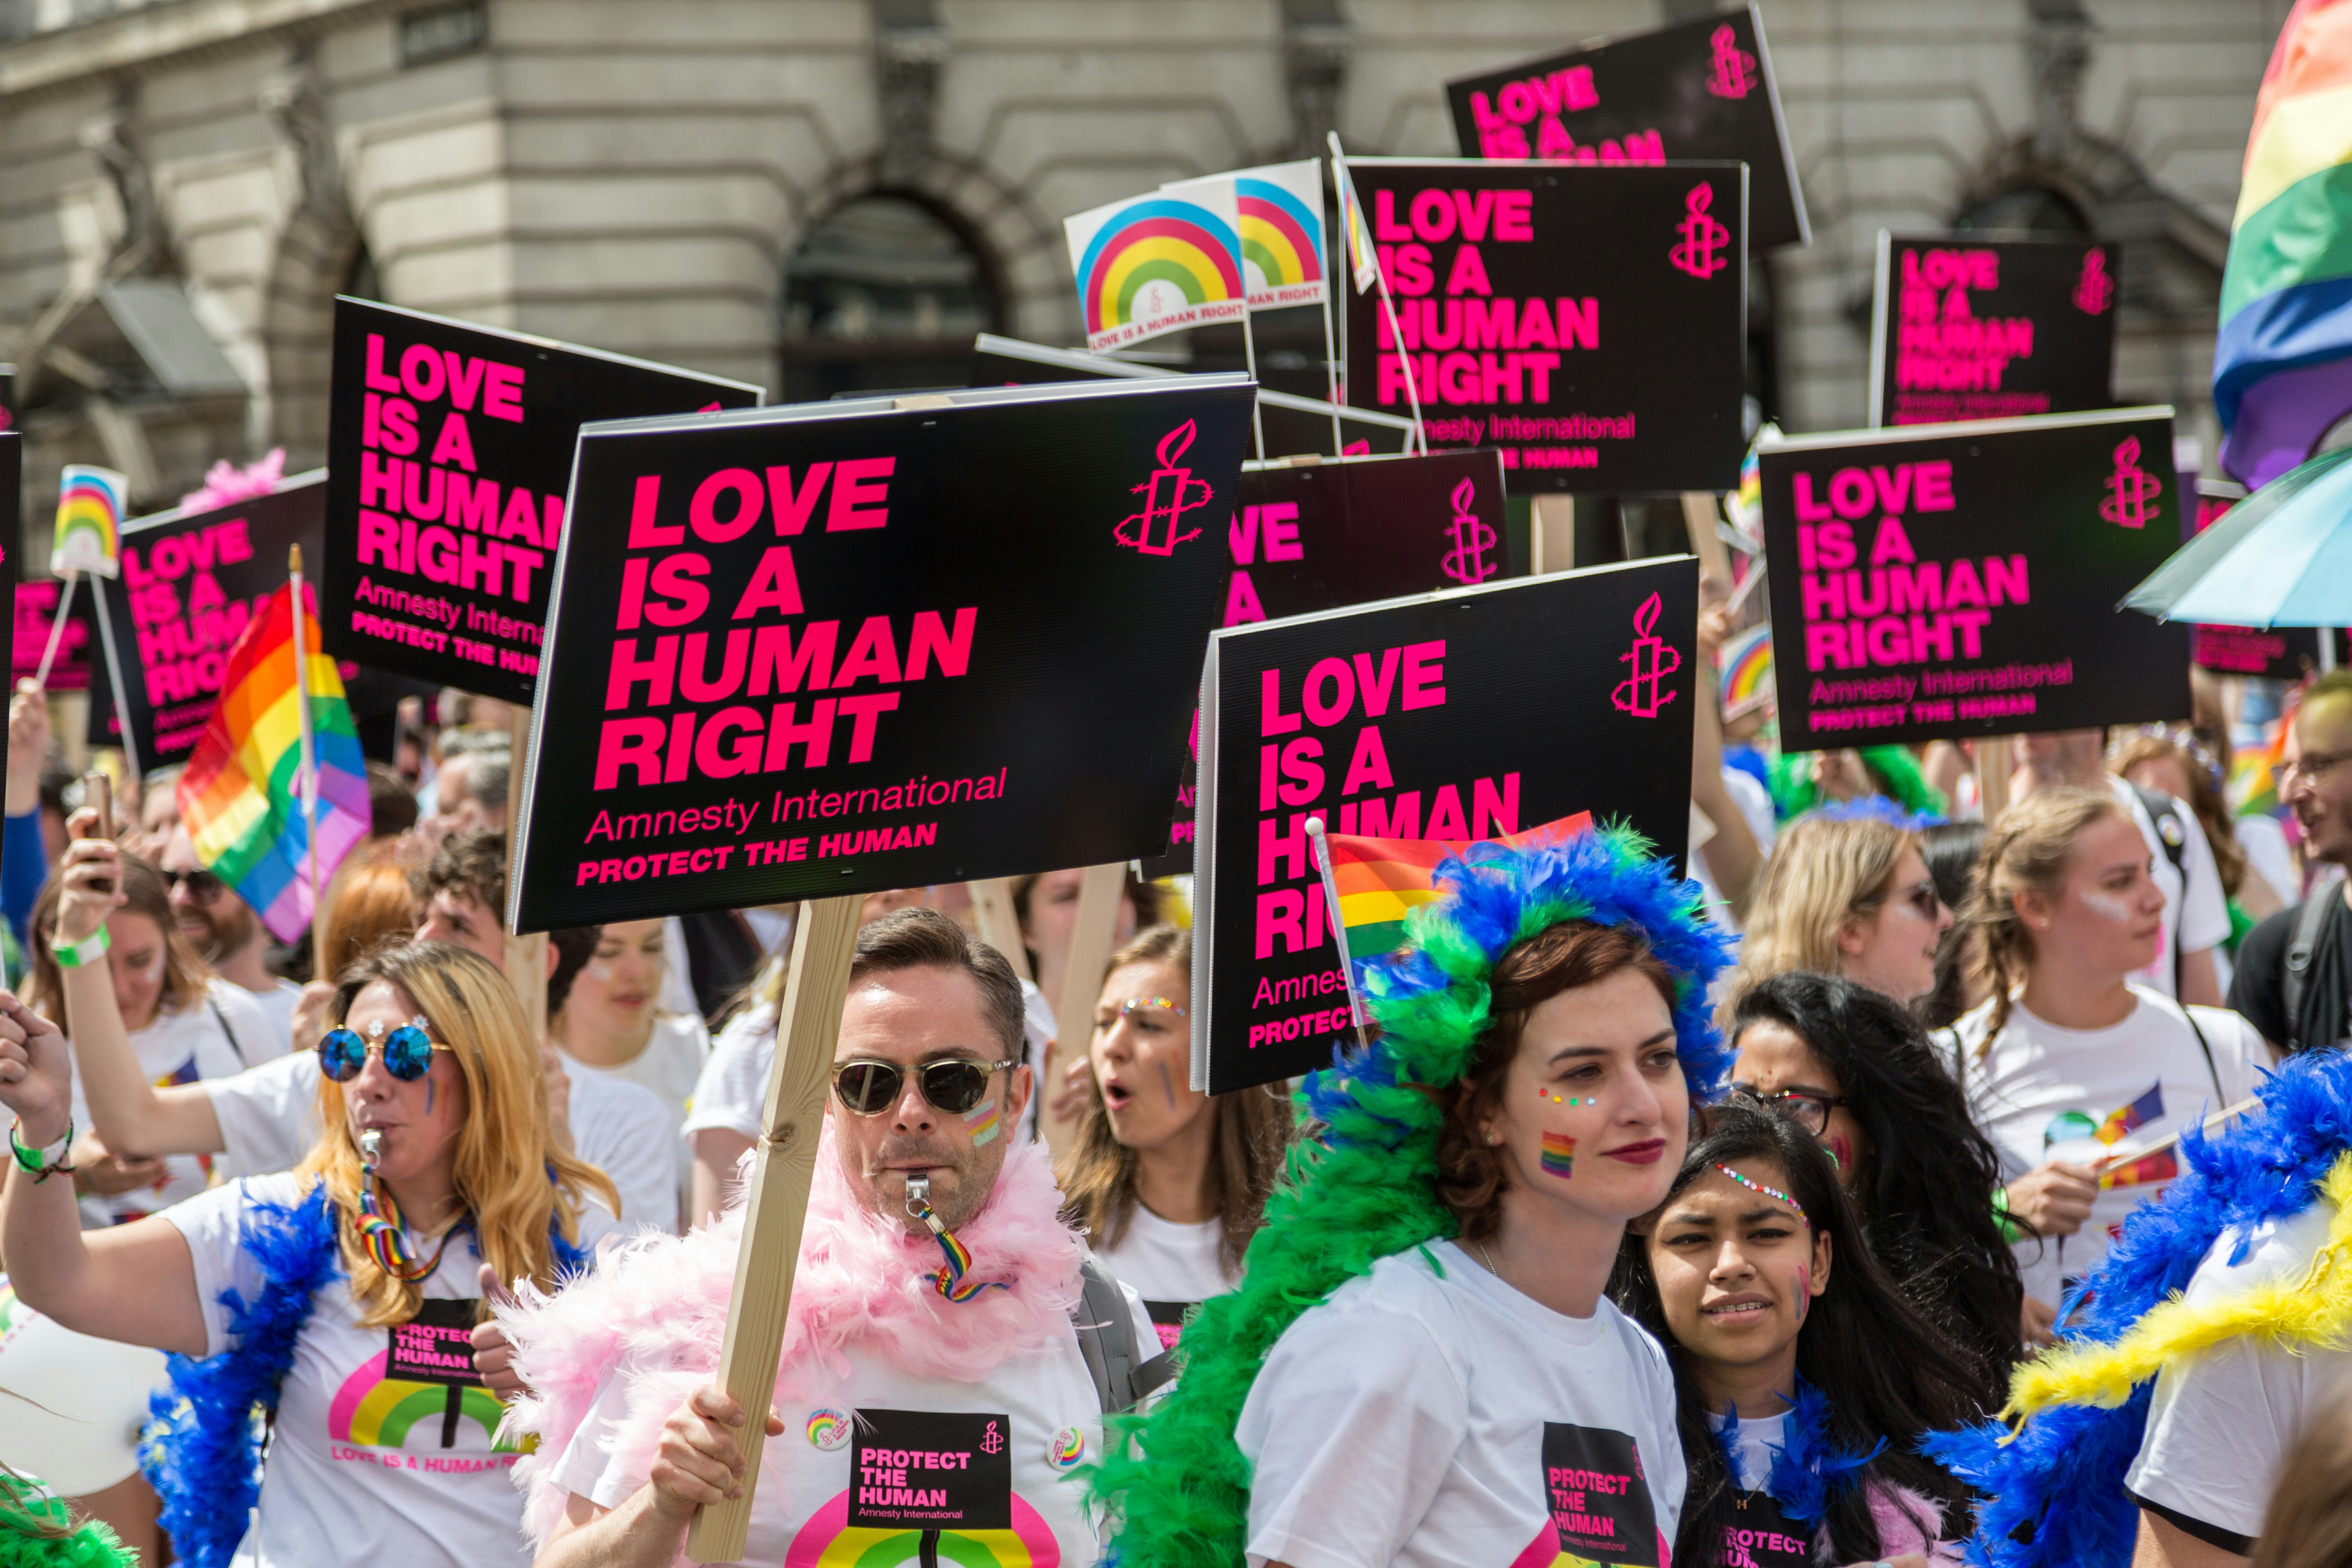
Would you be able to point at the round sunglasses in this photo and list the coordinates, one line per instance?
(407, 1053)
(953, 1085)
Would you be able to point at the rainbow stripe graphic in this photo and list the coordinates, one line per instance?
(90, 504)
(828, 1429)
(2283, 359)
(378, 1412)
(1281, 212)
(2142, 1173)
(829, 1541)
(1380, 880)
(1158, 263)
(1067, 1447)
(1559, 1156)
(2130, 1118)
(1744, 670)
(983, 1121)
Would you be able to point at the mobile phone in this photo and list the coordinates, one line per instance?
(97, 793)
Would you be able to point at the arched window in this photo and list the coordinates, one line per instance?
(2033, 209)
(883, 295)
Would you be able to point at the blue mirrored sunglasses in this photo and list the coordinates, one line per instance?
(407, 1053)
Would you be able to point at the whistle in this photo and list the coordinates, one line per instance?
(371, 1147)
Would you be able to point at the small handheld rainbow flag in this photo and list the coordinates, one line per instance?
(1281, 209)
(1158, 263)
(1377, 880)
(1363, 254)
(241, 797)
(1745, 672)
(90, 504)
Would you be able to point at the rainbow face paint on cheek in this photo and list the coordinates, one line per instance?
(1559, 1155)
(1841, 1151)
(982, 1122)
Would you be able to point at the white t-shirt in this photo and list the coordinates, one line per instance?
(2264, 843)
(913, 1453)
(1753, 1444)
(2222, 1418)
(75, 1406)
(1174, 1267)
(278, 1006)
(1418, 1420)
(187, 1047)
(363, 1466)
(2204, 921)
(2080, 1095)
(268, 1120)
(670, 1066)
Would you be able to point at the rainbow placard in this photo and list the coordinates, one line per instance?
(1280, 209)
(1157, 264)
(1744, 672)
(90, 504)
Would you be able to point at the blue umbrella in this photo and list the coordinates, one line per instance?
(2281, 557)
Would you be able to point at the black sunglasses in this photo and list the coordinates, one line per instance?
(953, 1085)
(203, 886)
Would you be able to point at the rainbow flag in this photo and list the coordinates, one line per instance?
(1361, 252)
(90, 504)
(2254, 788)
(1379, 879)
(1744, 672)
(1281, 208)
(2130, 1118)
(2283, 362)
(240, 796)
(2145, 1172)
(1158, 263)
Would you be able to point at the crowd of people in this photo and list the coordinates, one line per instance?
(1731, 1223)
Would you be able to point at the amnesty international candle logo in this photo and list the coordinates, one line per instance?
(1467, 563)
(2094, 289)
(1731, 70)
(2130, 487)
(1641, 693)
(1167, 495)
(1700, 250)
(1599, 1500)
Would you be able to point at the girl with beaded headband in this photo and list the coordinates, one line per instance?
(273, 1295)
(1420, 1348)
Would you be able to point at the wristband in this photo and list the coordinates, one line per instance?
(41, 1163)
(82, 954)
(2010, 1231)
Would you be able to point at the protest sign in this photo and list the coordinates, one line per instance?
(1453, 716)
(12, 531)
(37, 611)
(1701, 89)
(1591, 323)
(1962, 579)
(448, 447)
(1323, 535)
(1001, 596)
(1963, 327)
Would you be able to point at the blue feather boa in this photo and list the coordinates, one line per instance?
(1808, 1469)
(203, 1451)
(2054, 1495)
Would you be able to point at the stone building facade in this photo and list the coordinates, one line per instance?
(817, 194)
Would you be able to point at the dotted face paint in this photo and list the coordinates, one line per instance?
(983, 1122)
(1558, 1098)
(1559, 1155)
(1773, 1192)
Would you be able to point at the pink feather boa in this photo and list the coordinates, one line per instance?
(1897, 1510)
(655, 1312)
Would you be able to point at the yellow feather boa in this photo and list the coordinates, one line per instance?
(2315, 1311)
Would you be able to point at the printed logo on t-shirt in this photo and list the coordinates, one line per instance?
(418, 1392)
(921, 1478)
(1168, 1319)
(1600, 1502)
(2074, 1136)
(1760, 1536)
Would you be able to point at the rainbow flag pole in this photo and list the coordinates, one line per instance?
(1338, 927)
(57, 631)
(1366, 259)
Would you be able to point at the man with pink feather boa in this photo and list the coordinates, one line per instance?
(933, 1385)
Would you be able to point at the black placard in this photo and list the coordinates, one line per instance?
(448, 449)
(1701, 89)
(1453, 716)
(1001, 599)
(931, 1469)
(37, 612)
(190, 582)
(434, 1346)
(1961, 579)
(1965, 327)
(1589, 323)
(1316, 538)
(12, 525)
(1600, 1498)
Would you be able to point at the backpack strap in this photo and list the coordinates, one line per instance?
(2211, 1070)
(1105, 1331)
(2173, 833)
(2295, 975)
(226, 1033)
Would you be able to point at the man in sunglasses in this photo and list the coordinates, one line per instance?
(227, 932)
(937, 1376)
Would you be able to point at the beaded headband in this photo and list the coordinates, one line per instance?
(1756, 1186)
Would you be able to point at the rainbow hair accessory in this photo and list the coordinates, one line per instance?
(1774, 1193)
(1559, 1157)
(1367, 1188)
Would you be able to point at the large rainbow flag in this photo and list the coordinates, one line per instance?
(2283, 364)
(1158, 263)
(240, 796)
(1380, 880)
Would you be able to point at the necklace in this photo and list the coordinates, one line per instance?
(1487, 1258)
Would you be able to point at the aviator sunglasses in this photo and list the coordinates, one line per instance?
(407, 1053)
(953, 1085)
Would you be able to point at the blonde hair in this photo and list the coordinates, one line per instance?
(2027, 851)
(370, 901)
(511, 1178)
(1822, 871)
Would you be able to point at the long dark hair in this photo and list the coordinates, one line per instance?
(1885, 1370)
(1925, 1195)
(1950, 851)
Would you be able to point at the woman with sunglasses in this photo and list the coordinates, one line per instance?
(1169, 1184)
(1846, 892)
(185, 1022)
(1803, 1379)
(1857, 1074)
(339, 1296)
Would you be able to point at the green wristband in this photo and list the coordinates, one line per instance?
(80, 954)
(2009, 1229)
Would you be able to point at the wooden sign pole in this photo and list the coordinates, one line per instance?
(1552, 533)
(825, 939)
(526, 956)
(1000, 923)
(1699, 516)
(1082, 978)
(1993, 776)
